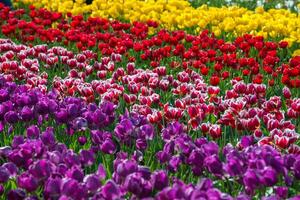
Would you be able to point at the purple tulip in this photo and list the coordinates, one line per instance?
(18, 140)
(198, 194)
(296, 168)
(108, 108)
(196, 158)
(52, 106)
(177, 191)
(289, 160)
(210, 148)
(214, 193)
(55, 157)
(48, 137)
(246, 141)
(4, 95)
(87, 157)
(123, 130)
(73, 110)
(10, 130)
(4, 174)
(92, 182)
(269, 176)
(160, 180)
(99, 118)
(111, 190)
(133, 184)
(172, 130)
(80, 123)
(200, 141)
(234, 167)
(146, 132)
(108, 146)
(174, 163)
(6, 107)
(42, 107)
(184, 144)
(11, 117)
(32, 132)
(62, 168)
(26, 114)
(126, 167)
(61, 148)
(141, 144)
(144, 172)
(15, 157)
(82, 140)
(12, 168)
(61, 116)
(75, 173)
(69, 187)
(1, 189)
(163, 156)
(214, 165)
(281, 191)
(137, 156)
(52, 187)
(27, 182)
(30, 99)
(205, 184)
(41, 169)
(251, 180)
(101, 173)
(71, 159)
(16, 194)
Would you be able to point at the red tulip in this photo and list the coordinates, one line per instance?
(286, 93)
(283, 44)
(215, 131)
(282, 142)
(214, 80)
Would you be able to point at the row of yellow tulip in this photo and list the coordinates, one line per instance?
(179, 14)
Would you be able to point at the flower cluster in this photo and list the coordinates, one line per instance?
(96, 108)
(42, 163)
(245, 107)
(252, 166)
(174, 14)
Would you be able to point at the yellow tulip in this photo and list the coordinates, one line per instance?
(296, 52)
(173, 14)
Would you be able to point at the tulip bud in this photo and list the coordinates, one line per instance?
(286, 92)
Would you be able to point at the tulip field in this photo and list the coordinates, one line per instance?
(150, 100)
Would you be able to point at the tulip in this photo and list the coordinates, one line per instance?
(286, 92)
(92, 182)
(32, 132)
(213, 165)
(11, 117)
(269, 177)
(16, 194)
(282, 191)
(215, 131)
(48, 137)
(87, 157)
(111, 190)
(27, 182)
(250, 180)
(1, 189)
(4, 174)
